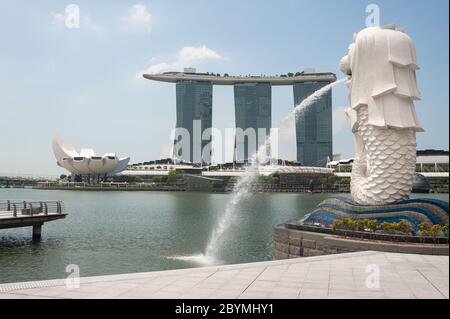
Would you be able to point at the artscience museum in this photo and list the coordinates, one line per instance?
(86, 163)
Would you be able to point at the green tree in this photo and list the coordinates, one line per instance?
(349, 224)
(404, 227)
(337, 224)
(268, 179)
(332, 179)
(424, 229)
(436, 231)
(372, 225)
(387, 227)
(361, 224)
(353, 225)
(346, 223)
(445, 230)
(233, 179)
(174, 175)
(159, 179)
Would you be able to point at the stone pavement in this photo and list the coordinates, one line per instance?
(332, 276)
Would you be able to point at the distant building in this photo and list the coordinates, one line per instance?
(432, 161)
(314, 128)
(342, 165)
(429, 163)
(253, 110)
(86, 163)
(194, 102)
(161, 167)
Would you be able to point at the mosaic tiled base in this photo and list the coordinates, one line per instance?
(414, 211)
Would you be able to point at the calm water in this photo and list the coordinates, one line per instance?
(123, 232)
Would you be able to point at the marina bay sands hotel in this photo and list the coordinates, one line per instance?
(253, 108)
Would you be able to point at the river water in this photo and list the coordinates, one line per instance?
(124, 232)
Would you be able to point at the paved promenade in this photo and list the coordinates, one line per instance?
(333, 276)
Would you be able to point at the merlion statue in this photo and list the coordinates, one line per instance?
(382, 65)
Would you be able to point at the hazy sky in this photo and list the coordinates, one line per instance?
(84, 84)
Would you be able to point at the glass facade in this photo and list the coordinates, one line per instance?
(314, 129)
(194, 102)
(253, 109)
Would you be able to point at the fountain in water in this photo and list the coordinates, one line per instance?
(243, 186)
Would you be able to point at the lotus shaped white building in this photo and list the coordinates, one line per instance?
(86, 162)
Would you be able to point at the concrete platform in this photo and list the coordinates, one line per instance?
(7, 220)
(15, 214)
(333, 276)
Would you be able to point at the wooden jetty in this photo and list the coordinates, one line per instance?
(24, 214)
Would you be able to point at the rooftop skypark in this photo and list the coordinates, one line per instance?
(190, 74)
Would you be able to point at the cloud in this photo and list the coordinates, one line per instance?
(138, 18)
(159, 68)
(189, 54)
(186, 57)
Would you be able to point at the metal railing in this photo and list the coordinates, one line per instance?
(30, 208)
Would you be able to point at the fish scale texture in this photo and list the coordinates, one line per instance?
(384, 171)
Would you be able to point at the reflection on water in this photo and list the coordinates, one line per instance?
(122, 232)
